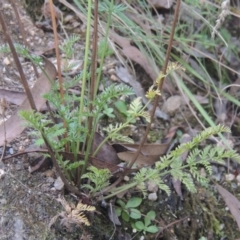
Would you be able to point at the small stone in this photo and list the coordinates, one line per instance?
(111, 71)
(221, 227)
(216, 177)
(113, 78)
(152, 196)
(126, 178)
(50, 180)
(2, 173)
(11, 150)
(21, 149)
(68, 18)
(76, 24)
(6, 61)
(230, 177)
(152, 187)
(172, 104)
(234, 185)
(59, 184)
(48, 173)
(238, 178)
(3, 201)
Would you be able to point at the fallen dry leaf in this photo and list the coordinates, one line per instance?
(13, 96)
(232, 203)
(149, 154)
(107, 153)
(99, 163)
(40, 164)
(15, 125)
(141, 160)
(113, 215)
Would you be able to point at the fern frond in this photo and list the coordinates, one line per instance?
(23, 51)
(122, 138)
(145, 115)
(74, 165)
(135, 106)
(140, 175)
(74, 82)
(104, 7)
(84, 207)
(78, 215)
(99, 177)
(164, 162)
(188, 182)
(79, 218)
(205, 134)
(141, 186)
(67, 46)
(113, 91)
(164, 187)
(39, 142)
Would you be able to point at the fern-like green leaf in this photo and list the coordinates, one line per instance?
(99, 177)
(121, 138)
(135, 106)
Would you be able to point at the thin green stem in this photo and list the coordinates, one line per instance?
(105, 46)
(85, 71)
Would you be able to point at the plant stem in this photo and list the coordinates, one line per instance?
(93, 88)
(85, 71)
(105, 44)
